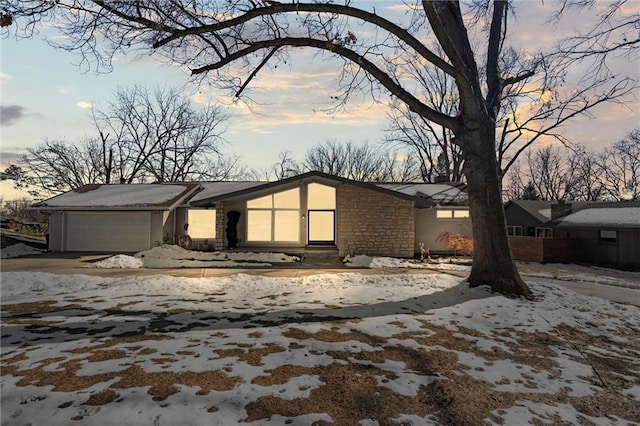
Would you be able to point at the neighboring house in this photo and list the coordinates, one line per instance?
(309, 209)
(608, 234)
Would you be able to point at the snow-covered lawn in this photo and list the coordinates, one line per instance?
(445, 263)
(172, 256)
(333, 349)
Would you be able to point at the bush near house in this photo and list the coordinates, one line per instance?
(456, 242)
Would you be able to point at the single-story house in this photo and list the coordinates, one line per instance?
(530, 218)
(608, 234)
(313, 208)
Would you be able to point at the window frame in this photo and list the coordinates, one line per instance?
(272, 216)
(608, 239)
(514, 228)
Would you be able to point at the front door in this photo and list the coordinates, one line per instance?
(322, 226)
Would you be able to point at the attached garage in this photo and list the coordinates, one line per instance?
(107, 231)
(115, 218)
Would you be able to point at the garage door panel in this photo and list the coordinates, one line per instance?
(107, 231)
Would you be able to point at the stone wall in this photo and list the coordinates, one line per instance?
(374, 223)
(221, 226)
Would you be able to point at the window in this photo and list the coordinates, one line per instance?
(321, 197)
(544, 233)
(608, 236)
(452, 214)
(460, 214)
(274, 218)
(514, 230)
(202, 223)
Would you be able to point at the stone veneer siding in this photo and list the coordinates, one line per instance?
(374, 223)
(221, 226)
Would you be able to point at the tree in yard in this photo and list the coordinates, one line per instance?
(210, 37)
(620, 165)
(143, 137)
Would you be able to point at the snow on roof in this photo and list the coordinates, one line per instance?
(623, 217)
(110, 196)
(438, 192)
(216, 189)
(545, 212)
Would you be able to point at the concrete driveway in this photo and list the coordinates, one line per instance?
(77, 263)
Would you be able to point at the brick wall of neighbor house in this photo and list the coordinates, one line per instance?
(540, 250)
(373, 223)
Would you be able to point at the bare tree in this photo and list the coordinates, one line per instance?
(143, 137)
(209, 37)
(620, 166)
(285, 167)
(430, 142)
(557, 173)
(159, 136)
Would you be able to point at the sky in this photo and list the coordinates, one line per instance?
(44, 95)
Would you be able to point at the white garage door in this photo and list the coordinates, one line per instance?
(122, 232)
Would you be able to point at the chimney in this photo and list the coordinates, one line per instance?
(441, 178)
(560, 209)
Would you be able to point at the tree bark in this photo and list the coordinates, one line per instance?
(493, 263)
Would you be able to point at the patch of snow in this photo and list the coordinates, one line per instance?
(546, 213)
(364, 261)
(118, 261)
(118, 196)
(173, 257)
(627, 217)
(17, 250)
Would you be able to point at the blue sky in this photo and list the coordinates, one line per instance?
(55, 95)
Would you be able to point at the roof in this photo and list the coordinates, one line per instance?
(623, 214)
(166, 196)
(221, 189)
(541, 210)
(230, 191)
(432, 193)
(121, 197)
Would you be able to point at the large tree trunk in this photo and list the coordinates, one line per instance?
(493, 263)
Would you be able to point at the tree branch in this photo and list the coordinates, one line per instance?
(381, 76)
(276, 7)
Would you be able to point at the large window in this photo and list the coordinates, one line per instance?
(274, 218)
(321, 197)
(202, 223)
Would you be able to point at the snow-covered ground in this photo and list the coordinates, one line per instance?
(447, 263)
(343, 348)
(17, 250)
(172, 256)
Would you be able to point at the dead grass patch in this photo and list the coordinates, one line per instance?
(101, 398)
(162, 384)
(252, 356)
(105, 355)
(120, 340)
(30, 321)
(333, 335)
(42, 307)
